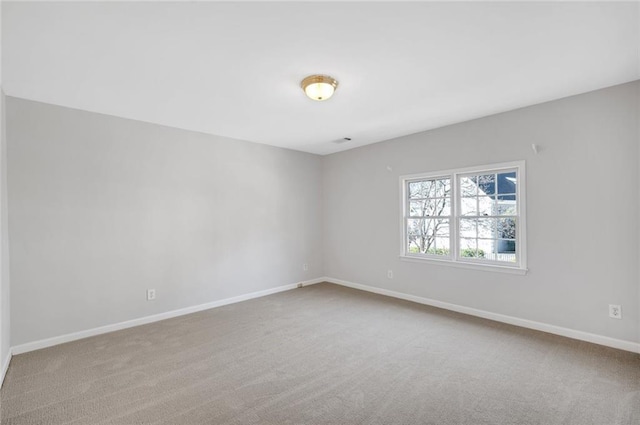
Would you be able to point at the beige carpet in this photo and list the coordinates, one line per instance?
(324, 355)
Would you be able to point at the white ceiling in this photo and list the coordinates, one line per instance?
(233, 69)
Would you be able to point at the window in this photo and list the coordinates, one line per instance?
(472, 217)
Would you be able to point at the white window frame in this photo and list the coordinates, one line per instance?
(454, 258)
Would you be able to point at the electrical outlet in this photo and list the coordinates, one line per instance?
(390, 274)
(305, 267)
(151, 294)
(615, 311)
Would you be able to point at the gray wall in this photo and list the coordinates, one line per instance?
(102, 208)
(582, 212)
(5, 312)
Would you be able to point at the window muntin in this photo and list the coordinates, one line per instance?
(471, 216)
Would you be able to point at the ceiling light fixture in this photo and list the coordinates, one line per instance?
(319, 87)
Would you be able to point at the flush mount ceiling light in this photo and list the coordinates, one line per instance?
(319, 87)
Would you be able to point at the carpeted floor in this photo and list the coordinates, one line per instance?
(324, 354)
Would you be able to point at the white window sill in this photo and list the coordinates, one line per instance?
(463, 265)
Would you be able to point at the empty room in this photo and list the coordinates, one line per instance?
(314, 213)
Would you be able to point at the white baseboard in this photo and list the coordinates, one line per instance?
(530, 324)
(44, 343)
(634, 347)
(5, 367)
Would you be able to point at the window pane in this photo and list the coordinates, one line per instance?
(507, 228)
(468, 243)
(421, 189)
(506, 251)
(418, 208)
(487, 248)
(468, 186)
(506, 246)
(441, 227)
(486, 184)
(485, 205)
(468, 248)
(506, 207)
(415, 230)
(507, 182)
(442, 206)
(416, 225)
(486, 227)
(430, 208)
(468, 228)
(422, 234)
(443, 188)
(469, 206)
(442, 245)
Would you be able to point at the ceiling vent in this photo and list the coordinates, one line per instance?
(343, 140)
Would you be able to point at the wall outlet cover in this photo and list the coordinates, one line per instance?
(615, 311)
(151, 294)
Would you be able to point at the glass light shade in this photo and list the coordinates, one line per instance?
(319, 87)
(319, 91)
